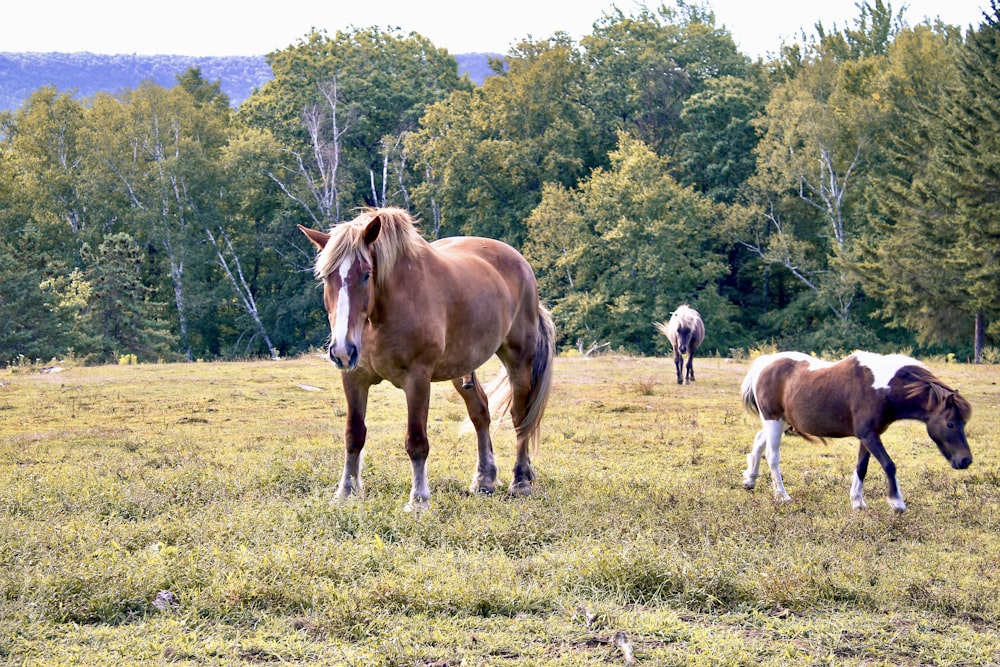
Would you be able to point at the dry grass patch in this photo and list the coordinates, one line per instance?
(216, 482)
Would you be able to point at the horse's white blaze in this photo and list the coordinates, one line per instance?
(343, 309)
(884, 367)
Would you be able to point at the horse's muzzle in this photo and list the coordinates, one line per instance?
(344, 357)
(962, 463)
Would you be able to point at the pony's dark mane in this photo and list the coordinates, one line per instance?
(920, 380)
(398, 238)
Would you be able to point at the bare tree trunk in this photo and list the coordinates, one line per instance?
(241, 287)
(980, 338)
(176, 275)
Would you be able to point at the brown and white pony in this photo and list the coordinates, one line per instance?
(412, 312)
(685, 331)
(860, 396)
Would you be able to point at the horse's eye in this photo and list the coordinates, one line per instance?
(366, 277)
(951, 424)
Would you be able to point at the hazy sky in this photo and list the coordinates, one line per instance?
(250, 27)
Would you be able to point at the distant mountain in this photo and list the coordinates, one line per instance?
(86, 74)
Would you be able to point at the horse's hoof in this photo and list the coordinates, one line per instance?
(417, 506)
(749, 486)
(520, 489)
(482, 490)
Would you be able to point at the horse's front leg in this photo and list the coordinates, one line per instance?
(485, 478)
(356, 391)
(679, 364)
(418, 393)
(858, 483)
(875, 447)
(690, 367)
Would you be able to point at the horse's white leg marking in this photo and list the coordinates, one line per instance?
(773, 429)
(420, 494)
(896, 502)
(338, 340)
(753, 460)
(857, 493)
(350, 481)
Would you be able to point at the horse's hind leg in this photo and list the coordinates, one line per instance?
(753, 460)
(520, 387)
(485, 478)
(773, 430)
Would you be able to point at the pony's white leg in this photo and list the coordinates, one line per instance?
(897, 503)
(753, 460)
(857, 493)
(773, 429)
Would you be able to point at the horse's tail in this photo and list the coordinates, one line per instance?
(499, 390)
(541, 377)
(748, 391)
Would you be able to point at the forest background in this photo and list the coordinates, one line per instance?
(844, 194)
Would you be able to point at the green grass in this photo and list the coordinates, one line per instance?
(216, 482)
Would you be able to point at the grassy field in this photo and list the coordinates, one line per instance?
(215, 482)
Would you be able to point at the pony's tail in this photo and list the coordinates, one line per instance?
(499, 391)
(748, 391)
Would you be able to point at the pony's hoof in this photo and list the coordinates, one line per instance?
(859, 505)
(417, 506)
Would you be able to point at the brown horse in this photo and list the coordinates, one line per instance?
(685, 331)
(861, 396)
(412, 312)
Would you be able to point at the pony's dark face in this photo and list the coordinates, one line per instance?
(348, 296)
(684, 338)
(946, 426)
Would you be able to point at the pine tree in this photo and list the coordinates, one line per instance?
(936, 271)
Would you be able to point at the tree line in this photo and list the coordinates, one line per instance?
(841, 194)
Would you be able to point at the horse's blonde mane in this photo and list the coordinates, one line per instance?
(398, 238)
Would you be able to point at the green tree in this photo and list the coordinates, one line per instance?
(117, 315)
(716, 151)
(643, 68)
(341, 106)
(152, 158)
(634, 244)
(935, 267)
(820, 147)
(488, 152)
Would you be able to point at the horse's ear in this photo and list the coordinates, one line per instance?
(319, 239)
(372, 230)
